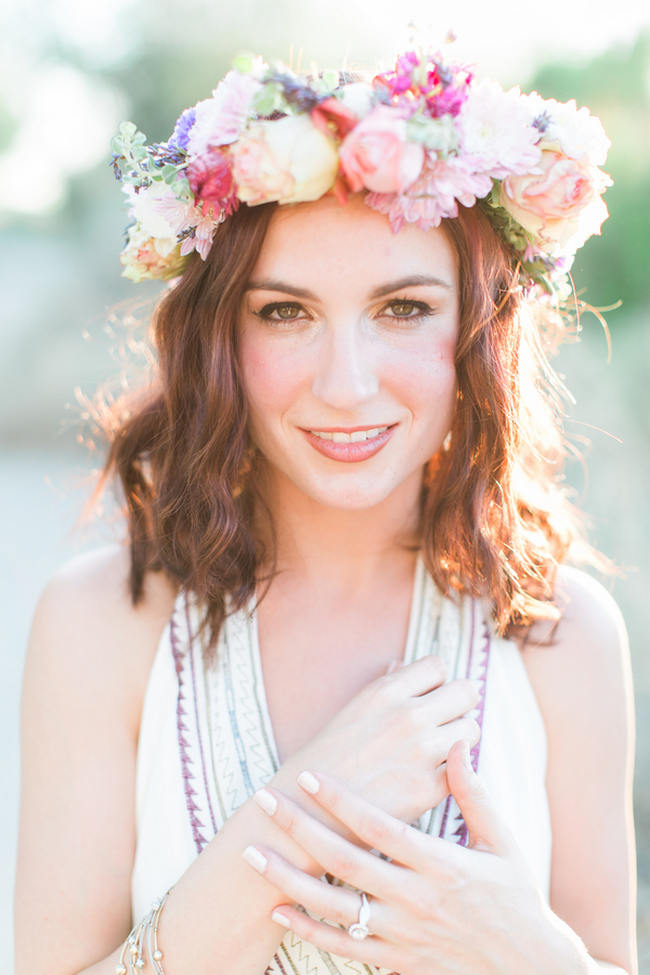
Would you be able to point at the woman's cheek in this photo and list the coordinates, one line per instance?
(272, 376)
(427, 381)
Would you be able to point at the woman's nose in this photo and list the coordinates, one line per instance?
(346, 374)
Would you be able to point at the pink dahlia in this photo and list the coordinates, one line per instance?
(434, 195)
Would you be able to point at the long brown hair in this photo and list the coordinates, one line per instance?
(495, 518)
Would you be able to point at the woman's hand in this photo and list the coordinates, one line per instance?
(436, 908)
(390, 742)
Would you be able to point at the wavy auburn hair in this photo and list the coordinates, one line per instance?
(495, 518)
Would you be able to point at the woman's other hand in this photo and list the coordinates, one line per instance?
(391, 741)
(435, 907)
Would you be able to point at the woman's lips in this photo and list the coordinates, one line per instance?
(350, 451)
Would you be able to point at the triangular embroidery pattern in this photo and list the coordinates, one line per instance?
(472, 663)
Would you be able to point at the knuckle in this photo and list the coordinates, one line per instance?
(290, 820)
(342, 865)
(376, 832)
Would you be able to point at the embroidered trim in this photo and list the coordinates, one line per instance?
(179, 654)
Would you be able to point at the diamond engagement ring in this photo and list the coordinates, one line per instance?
(359, 930)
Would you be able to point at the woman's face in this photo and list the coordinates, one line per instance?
(347, 343)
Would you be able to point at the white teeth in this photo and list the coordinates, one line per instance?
(355, 437)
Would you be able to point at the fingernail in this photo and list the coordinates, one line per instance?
(255, 858)
(308, 782)
(478, 684)
(266, 801)
(467, 762)
(280, 919)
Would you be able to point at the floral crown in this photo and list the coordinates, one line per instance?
(419, 140)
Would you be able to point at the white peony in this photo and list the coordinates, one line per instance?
(356, 96)
(579, 133)
(496, 132)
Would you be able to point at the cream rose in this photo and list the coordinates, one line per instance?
(560, 203)
(288, 160)
(377, 156)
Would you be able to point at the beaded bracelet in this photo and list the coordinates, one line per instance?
(144, 932)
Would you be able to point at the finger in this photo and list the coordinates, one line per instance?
(336, 855)
(380, 831)
(450, 700)
(418, 677)
(320, 898)
(372, 951)
(487, 830)
(441, 739)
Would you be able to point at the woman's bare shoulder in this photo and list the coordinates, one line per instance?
(86, 624)
(584, 655)
(582, 677)
(591, 622)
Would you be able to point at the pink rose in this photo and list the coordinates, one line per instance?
(376, 155)
(561, 203)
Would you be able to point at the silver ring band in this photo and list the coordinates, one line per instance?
(359, 929)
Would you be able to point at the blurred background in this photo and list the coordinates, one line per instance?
(70, 71)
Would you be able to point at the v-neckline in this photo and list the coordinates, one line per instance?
(415, 612)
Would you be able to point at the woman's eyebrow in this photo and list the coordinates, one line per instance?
(384, 289)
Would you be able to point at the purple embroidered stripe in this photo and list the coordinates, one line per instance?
(199, 736)
(476, 668)
(179, 653)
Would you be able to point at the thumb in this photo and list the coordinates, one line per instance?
(487, 830)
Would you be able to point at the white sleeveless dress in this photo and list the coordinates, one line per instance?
(206, 744)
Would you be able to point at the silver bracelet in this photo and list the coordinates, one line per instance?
(144, 933)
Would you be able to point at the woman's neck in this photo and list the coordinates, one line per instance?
(341, 549)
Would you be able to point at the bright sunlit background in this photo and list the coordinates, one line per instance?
(71, 70)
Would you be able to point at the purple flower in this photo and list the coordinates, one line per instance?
(181, 133)
(450, 100)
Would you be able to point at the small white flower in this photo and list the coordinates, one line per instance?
(579, 133)
(496, 132)
(147, 210)
(357, 97)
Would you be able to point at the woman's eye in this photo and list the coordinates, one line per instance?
(287, 311)
(404, 309)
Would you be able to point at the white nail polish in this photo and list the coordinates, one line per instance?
(255, 858)
(308, 782)
(280, 919)
(266, 801)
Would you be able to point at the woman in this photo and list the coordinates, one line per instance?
(346, 532)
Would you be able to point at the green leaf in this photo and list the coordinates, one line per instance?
(243, 62)
(269, 98)
(436, 134)
(127, 130)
